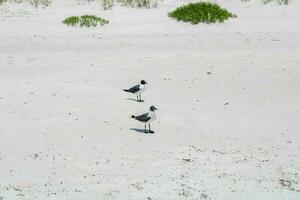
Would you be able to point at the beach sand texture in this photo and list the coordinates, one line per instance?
(228, 99)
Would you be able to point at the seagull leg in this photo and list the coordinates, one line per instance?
(137, 97)
(145, 128)
(150, 131)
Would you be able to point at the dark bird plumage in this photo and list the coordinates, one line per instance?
(133, 90)
(137, 89)
(147, 118)
(142, 118)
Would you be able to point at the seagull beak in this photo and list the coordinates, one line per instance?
(155, 108)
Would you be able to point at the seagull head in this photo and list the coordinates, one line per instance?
(143, 82)
(152, 108)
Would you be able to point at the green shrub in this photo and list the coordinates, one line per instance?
(35, 3)
(281, 2)
(85, 20)
(278, 1)
(204, 12)
(71, 21)
(107, 4)
(139, 3)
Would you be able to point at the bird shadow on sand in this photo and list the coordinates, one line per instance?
(139, 130)
(135, 100)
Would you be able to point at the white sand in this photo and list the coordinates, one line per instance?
(65, 127)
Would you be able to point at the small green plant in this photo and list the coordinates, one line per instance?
(107, 4)
(139, 3)
(71, 21)
(204, 12)
(35, 3)
(281, 2)
(85, 20)
(278, 1)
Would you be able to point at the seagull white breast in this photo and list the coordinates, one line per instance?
(142, 89)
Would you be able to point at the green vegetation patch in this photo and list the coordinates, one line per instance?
(201, 12)
(285, 2)
(85, 21)
(35, 3)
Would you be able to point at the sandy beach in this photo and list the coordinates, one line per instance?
(228, 99)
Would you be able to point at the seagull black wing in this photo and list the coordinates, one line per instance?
(134, 89)
(142, 118)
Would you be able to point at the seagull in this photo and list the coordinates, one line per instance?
(147, 118)
(138, 90)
